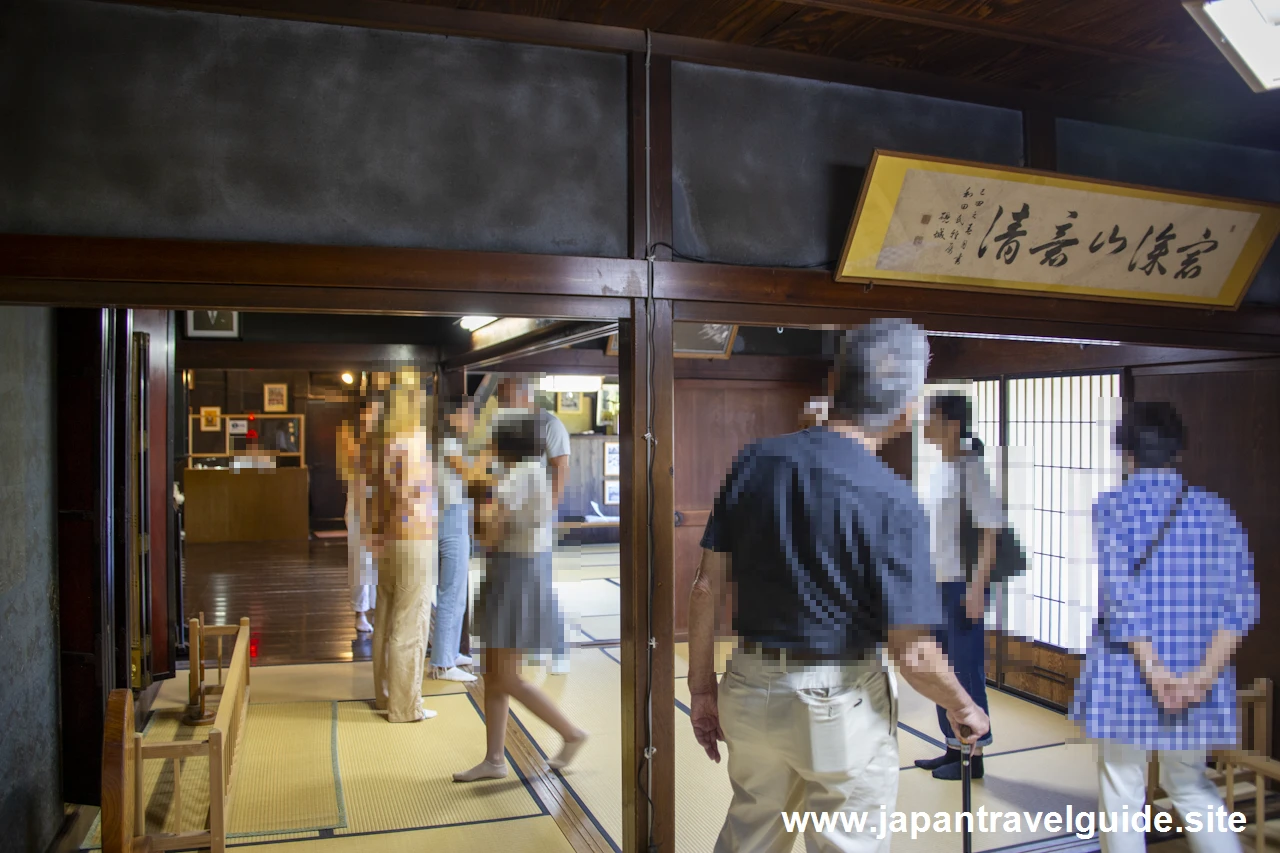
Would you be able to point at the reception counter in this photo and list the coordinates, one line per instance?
(246, 506)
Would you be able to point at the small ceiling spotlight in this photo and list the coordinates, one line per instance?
(348, 378)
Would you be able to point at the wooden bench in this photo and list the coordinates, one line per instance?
(123, 753)
(1253, 711)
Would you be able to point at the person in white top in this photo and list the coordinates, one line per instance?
(516, 608)
(960, 487)
(515, 396)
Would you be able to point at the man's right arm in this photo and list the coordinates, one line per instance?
(905, 568)
(921, 662)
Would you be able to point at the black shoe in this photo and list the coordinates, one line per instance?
(951, 772)
(951, 757)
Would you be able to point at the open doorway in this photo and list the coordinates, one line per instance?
(255, 434)
(1045, 410)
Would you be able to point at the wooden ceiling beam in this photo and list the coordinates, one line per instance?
(383, 268)
(994, 29)
(277, 355)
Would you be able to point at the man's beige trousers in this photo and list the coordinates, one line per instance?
(807, 738)
(406, 575)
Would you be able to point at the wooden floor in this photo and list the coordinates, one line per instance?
(296, 594)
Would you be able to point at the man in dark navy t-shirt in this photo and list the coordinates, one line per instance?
(828, 551)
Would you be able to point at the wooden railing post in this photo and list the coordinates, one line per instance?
(217, 794)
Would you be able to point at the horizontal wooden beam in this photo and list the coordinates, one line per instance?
(319, 300)
(579, 362)
(212, 262)
(968, 358)
(591, 362)
(275, 355)
(547, 338)
(765, 296)
(180, 274)
(1235, 366)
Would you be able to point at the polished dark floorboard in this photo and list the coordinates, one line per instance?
(296, 595)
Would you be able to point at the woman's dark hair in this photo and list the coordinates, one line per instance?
(447, 404)
(517, 439)
(958, 409)
(1152, 433)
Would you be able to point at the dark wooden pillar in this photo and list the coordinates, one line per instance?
(648, 671)
(1040, 140)
(658, 163)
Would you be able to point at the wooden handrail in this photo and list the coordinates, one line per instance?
(124, 754)
(235, 672)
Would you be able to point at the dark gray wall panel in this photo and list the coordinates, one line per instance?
(30, 790)
(767, 169)
(126, 121)
(1170, 162)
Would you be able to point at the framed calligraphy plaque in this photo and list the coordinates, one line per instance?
(933, 222)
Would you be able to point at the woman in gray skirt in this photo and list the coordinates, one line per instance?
(516, 610)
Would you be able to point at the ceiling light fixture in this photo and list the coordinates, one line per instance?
(1248, 34)
(348, 378)
(471, 323)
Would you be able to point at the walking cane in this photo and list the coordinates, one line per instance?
(965, 782)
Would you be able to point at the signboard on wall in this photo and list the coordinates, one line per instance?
(944, 223)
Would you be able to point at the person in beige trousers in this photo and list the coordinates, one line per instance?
(400, 528)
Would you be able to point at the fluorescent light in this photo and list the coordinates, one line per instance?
(1248, 34)
(1025, 338)
(348, 378)
(473, 323)
(569, 384)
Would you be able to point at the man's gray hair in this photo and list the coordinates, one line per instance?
(880, 369)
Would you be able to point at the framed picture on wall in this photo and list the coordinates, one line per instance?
(612, 492)
(608, 402)
(612, 459)
(275, 397)
(213, 324)
(569, 401)
(210, 419)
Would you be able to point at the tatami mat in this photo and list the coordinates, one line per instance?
(286, 779)
(318, 682)
(539, 834)
(1030, 768)
(591, 697)
(401, 776)
(598, 628)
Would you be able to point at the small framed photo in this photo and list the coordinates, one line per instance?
(237, 426)
(569, 401)
(611, 346)
(612, 492)
(275, 397)
(213, 324)
(613, 459)
(210, 419)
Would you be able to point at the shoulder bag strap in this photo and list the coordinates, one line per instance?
(1164, 528)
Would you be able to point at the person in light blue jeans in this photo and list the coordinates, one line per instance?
(455, 548)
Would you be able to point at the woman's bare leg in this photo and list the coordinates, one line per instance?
(544, 708)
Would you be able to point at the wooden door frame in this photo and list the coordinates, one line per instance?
(179, 275)
(638, 693)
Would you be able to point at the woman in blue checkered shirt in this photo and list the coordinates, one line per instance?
(1176, 595)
